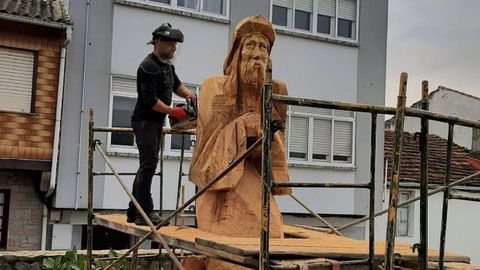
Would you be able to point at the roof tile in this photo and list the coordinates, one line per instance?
(45, 10)
(410, 162)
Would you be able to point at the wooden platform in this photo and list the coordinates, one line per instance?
(299, 246)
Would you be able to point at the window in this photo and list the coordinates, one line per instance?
(4, 207)
(123, 99)
(404, 215)
(334, 18)
(280, 15)
(215, 7)
(316, 135)
(323, 24)
(17, 77)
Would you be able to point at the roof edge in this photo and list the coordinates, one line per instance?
(28, 20)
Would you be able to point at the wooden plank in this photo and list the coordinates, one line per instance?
(331, 246)
(310, 243)
(453, 266)
(230, 257)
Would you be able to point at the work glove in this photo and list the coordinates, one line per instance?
(178, 113)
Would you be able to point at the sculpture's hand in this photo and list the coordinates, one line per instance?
(252, 123)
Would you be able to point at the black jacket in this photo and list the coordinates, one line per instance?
(155, 80)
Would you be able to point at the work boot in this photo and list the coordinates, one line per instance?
(131, 215)
(154, 218)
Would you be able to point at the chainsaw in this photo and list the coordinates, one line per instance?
(190, 122)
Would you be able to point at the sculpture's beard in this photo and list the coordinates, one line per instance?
(252, 72)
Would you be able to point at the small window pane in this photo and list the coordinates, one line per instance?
(403, 215)
(122, 111)
(298, 137)
(1, 210)
(280, 15)
(345, 28)
(187, 3)
(214, 6)
(162, 1)
(323, 24)
(2, 198)
(302, 20)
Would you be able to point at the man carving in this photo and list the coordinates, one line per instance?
(229, 121)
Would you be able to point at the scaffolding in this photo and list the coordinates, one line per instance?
(264, 260)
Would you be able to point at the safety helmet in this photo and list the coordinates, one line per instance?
(166, 32)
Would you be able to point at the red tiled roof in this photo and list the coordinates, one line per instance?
(462, 165)
(44, 10)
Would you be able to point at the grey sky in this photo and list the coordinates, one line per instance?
(433, 40)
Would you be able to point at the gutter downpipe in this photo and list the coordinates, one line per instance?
(82, 109)
(56, 137)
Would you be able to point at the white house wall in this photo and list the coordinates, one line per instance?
(316, 69)
(462, 235)
(201, 54)
(453, 104)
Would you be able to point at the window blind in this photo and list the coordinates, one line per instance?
(124, 85)
(304, 5)
(326, 7)
(342, 144)
(298, 137)
(284, 3)
(16, 80)
(347, 9)
(322, 138)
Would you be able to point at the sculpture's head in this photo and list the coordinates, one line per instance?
(248, 53)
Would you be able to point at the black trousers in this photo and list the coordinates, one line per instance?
(148, 136)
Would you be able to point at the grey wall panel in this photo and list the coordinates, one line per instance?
(371, 90)
(98, 59)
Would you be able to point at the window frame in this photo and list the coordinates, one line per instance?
(4, 217)
(311, 117)
(410, 215)
(34, 79)
(167, 138)
(314, 17)
(198, 10)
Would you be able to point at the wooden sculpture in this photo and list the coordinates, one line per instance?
(229, 121)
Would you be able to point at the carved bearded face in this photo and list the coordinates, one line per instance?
(254, 57)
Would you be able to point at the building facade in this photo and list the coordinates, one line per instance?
(331, 50)
(31, 42)
(461, 236)
(450, 102)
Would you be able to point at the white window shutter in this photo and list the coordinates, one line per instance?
(322, 138)
(326, 7)
(311, 110)
(124, 85)
(342, 113)
(304, 5)
(16, 80)
(298, 138)
(347, 9)
(283, 3)
(342, 142)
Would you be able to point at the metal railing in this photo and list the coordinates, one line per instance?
(400, 112)
(268, 99)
